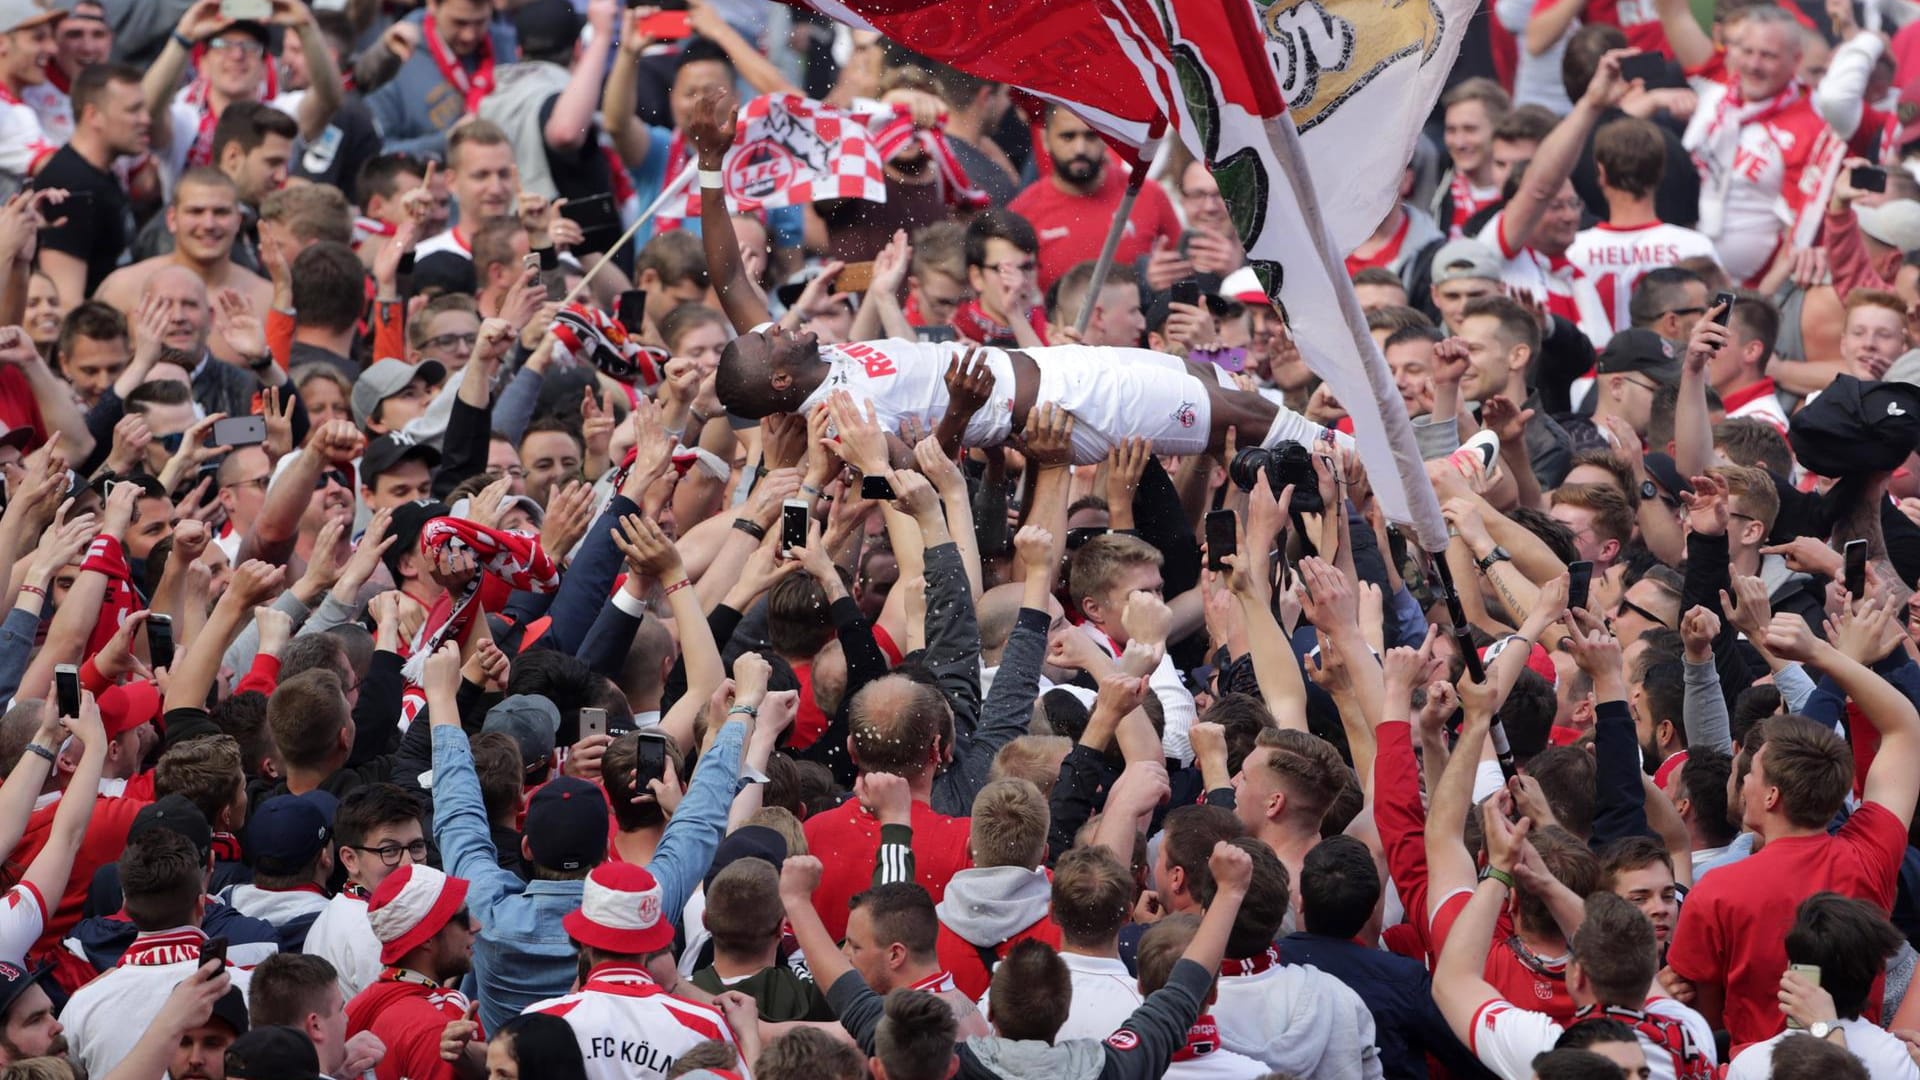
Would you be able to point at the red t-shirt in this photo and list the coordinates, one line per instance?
(1733, 927)
(17, 407)
(106, 838)
(847, 840)
(1540, 988)
(409, 1018)
(1073, 227)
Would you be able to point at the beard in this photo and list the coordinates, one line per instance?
(1080, 170)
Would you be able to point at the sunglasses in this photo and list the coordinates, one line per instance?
(333, 476)
(1628, 605)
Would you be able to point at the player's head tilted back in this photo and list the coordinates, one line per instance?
(767, 371)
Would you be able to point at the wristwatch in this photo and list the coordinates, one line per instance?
(1820, 1029)
(1648, 490)
(1498, 554)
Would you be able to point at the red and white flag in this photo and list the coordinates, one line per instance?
(790, 151)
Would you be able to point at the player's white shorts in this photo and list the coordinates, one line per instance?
(1116, 393)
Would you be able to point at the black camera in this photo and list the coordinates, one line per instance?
(1286, 463)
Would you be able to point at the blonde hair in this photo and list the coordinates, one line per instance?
(1034, 758)
(1009, 825)
(781, 820)
(1753, 491)
(1099, 563)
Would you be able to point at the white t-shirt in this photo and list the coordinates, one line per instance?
(54, 108)
(445, 241)
(106, 1018)
(1615, 259)
(342, 936)
(23, 142)
(1104, 995)
(1885, 1057)
(23, 914)
(1506, 1037)
(908, 379)
(630, 1029)
(1557, 283)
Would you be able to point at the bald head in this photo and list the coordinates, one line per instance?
(895, 725)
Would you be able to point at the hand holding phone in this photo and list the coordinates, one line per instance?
(652, 759)
(1648, 67)
(1856, 573)
(160, 641)
(239, 431)
(1868, 178)
(66, 683)
(593, 722)
(1579, 583)
(1723, 303)
(1223, 538)
(793, 526)
(1186, 291)
(214, 948)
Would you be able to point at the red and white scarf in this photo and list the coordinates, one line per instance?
(197, 96)
(939, 982)
(1464, 204)
(892, 135)
(1718, 145)
(1203, 1038)
(1252, 965)
(509, 562)
(472, 85)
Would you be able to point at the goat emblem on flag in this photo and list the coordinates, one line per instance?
(1325, 54)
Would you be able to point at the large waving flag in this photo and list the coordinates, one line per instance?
(1360, 77)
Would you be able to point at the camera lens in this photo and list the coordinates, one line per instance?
(1247, 465)
(1292, 464)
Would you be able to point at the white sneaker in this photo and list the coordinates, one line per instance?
(1478, 459)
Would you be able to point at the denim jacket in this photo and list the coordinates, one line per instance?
(522, 954)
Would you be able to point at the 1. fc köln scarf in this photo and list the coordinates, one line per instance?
(508, 562)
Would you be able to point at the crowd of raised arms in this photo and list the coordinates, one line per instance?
(476, 603)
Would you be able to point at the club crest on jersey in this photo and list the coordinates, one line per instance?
(1185, 415)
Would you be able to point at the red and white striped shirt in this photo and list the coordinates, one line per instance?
(1614, 259)
(629, 1028)
(1567, 292)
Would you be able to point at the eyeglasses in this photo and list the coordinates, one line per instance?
(515, 471)
(464, 342)
(390, 853)
(247, 46)
(1685, 311)
(1741, 516)
(464, 918)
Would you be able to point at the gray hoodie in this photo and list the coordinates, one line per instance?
(1139, 1050)
(988, 906)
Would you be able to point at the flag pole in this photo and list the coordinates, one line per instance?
(673, 188)
(1135, 180)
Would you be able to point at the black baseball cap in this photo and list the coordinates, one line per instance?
(408, 520)
(383, 453)
(177, 813)
(546, 27)
(14, 980)
(566, 825)
(274, 1052)
(1642, 352)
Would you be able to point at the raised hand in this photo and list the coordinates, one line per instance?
(1707, 505)
(1698, 628)
(647, 549)
(969, 382)
(1049, 435)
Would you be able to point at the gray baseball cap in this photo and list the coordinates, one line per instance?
(385, 379)
(532, 720)
(1456, 260)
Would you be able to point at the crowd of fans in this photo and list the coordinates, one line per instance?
(444, 637)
